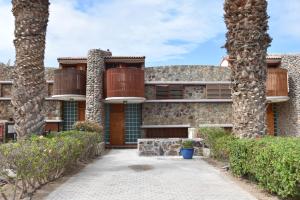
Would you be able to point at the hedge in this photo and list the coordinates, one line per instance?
(39, 159)
(274, 162)
(218, 140)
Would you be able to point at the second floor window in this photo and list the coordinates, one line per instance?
(169, 92)
(218, 91)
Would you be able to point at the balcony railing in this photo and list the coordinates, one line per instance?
(69, 82)
(277, 82)
(125, 82)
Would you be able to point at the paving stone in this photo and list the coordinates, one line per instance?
(123, 175)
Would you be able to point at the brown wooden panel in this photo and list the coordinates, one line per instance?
(166, 133)
(117, 119)
(50, 89)
(218, 91)
(81, 110)
(69, 81)
(125, 82)
(53, 126)
(277, 82)
(2, 131)
(270, 120)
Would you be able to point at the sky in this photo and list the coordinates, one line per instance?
(167, 32)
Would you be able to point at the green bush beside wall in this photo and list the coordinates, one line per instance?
(39, 159)
(273, 162)
(218, 140)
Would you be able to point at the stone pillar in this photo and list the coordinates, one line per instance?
(289, 112)
(94, 85)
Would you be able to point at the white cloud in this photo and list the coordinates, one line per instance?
(284, 19)
(158, 29)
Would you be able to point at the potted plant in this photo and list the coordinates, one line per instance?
(187, 149)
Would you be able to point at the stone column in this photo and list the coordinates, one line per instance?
(94, 85)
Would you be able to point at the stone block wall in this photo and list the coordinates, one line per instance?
(7, 73)
(187, 73)
(166, 147)
(194, 92)
(289, 112)
(52, 109)
(194, 114)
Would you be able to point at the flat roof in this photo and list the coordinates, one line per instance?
(107, 59)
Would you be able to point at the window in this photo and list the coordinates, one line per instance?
(169, 92)
(5, 89)
(218, 91)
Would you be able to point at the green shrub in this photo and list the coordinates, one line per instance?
(187, 144)
(39, 159)
(211, 134)
(221, 148)
(218, 140)
(88, 126)
(273, 162)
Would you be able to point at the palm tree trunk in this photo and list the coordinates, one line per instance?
(247, 43)
(31, 18)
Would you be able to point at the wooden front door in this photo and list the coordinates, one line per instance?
(270, 120)
(117, 119)
(81, 111)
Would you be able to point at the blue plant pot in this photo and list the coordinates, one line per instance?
(187, 153)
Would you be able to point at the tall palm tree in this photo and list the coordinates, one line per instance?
(31, 18)
(247, 43)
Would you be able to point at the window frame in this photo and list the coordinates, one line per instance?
(169, 96)
(221, 91)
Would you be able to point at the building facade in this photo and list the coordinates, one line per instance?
(132, 101)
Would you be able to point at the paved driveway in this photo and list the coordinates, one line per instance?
(122, 175)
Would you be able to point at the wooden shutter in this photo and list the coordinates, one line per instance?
(176, 92)
(218, 91)
(162, 92)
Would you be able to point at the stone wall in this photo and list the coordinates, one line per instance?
(6, 73)
(194, 114)
(52, 110)
(289, 112)
(166, 147)
(194, 92)
(187, 73)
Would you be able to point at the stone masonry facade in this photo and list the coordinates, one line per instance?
(187, 73)
(167, 147)
(289, 112)
(171, 113)
(194, 114)
(52, 108)
(183, 113)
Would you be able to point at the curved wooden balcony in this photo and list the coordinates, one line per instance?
(277, 83)
(125, 83)
(69, 84)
